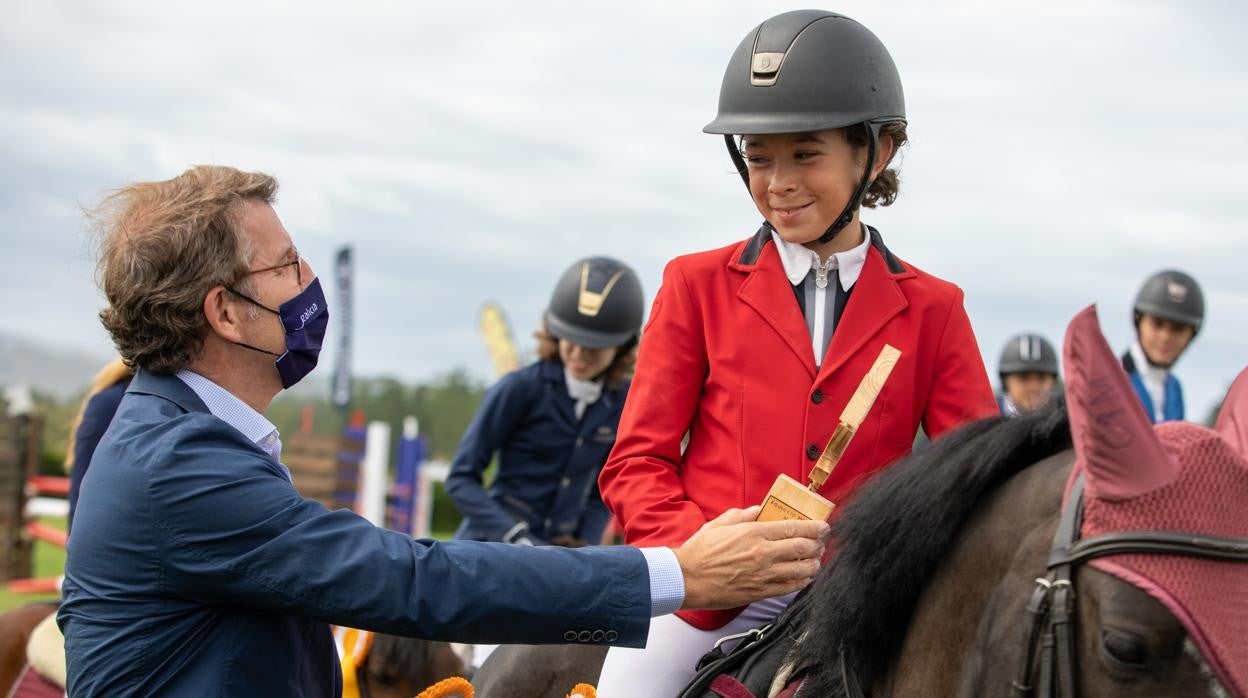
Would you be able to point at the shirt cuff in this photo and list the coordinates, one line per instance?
(667, 582)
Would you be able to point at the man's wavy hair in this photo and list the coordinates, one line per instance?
(162, 247)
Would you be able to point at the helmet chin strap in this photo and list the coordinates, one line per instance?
(847, 215)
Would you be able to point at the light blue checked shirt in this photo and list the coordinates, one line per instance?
(667, 583)
(225, 406)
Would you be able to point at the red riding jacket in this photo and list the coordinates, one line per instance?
(726, 358)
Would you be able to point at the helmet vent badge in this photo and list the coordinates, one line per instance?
(765, 68)
(1176, 291)
(589, 302)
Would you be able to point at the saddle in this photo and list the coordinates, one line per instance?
(755, 666)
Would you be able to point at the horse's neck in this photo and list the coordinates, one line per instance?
(1012, 530)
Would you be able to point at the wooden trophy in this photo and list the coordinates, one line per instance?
(788, 499)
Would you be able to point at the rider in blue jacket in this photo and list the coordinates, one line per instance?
(1168, 312)
(552, 424)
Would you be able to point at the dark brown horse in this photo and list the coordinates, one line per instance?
(538, 671)
(15, 628)
(939, 556)
(944, 553)
(401, 667)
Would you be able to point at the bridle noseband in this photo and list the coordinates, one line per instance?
(1050, 615)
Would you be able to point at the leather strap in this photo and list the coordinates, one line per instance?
(1156, 542)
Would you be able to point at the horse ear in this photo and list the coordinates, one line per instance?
(1233, 417)
(1120, 453)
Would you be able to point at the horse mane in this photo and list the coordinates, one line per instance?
(897, 529)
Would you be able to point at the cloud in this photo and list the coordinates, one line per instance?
(1060, 152)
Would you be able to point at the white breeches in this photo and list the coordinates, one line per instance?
(673, 648)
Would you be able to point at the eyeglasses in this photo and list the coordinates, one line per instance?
(297, 264)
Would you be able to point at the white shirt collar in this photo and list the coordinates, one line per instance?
(585, 393)
(581, 389)
(798, 260)
(1154, 378)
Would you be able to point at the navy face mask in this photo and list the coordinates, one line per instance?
(305, 319)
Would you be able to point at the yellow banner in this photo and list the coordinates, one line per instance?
(498, 339)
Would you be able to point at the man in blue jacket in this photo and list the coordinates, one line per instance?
(195, 568)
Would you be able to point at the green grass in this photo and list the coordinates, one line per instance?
(49, 562)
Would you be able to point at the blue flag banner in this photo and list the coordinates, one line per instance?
(341, 389)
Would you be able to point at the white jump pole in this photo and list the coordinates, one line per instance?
(430, 472)
(374, 472)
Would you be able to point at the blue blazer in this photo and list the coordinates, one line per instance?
(195, 568)
(548, 460)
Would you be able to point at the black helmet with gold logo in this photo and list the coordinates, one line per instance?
(597, 304)
(809, 70)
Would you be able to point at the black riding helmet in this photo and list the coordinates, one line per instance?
(1172, 295)
(1027, 353)
(809, 70)
(597, 304)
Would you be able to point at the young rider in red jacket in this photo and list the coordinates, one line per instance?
(753, 350)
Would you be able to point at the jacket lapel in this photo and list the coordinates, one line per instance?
(551, 373)
(768, 292)
(167, 386)
(876, 299)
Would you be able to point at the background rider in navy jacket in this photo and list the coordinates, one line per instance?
(552, 424)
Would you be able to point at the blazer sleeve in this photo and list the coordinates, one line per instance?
(960, 390)
(502, 411)
(640, 481)
(235, 532)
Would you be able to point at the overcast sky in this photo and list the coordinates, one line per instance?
(1061, 152)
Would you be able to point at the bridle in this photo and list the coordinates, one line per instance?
(1050, 615)
(1048, 664)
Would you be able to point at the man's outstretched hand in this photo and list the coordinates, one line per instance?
(735, 560)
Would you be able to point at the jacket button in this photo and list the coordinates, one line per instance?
(612, 636)
(812, 452)
(598, 635)
(585, 636)
(570, 636)
(565, 482)
(817, 396)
